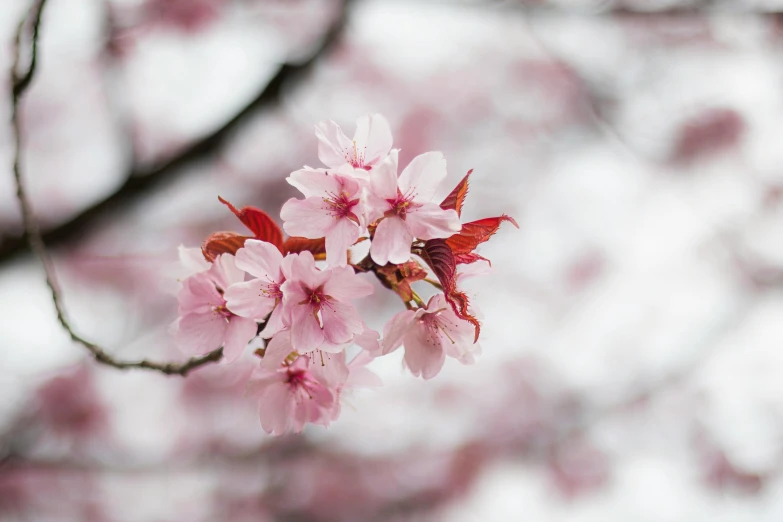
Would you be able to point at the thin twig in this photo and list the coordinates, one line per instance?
(20, 84)
(143, 180)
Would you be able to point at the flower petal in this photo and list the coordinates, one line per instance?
(330, 368)
(250, 299)
(198, 294)
(429, 221)
(277, 322)
(224, 271)
(343, 284)
(339, 239)
(341, 322)
(424, 354)
(368, 339)
(310, 218)
(306, 333)
(200, 333)
(260, 259)
(383, 182)
(395, 329)
(373, 138)
(423, 175)
(275, 409)
(314, 182)
(392, 242)
(192, 261)
(278, 349)
(333, 144)
(239, 332)
(305, 275)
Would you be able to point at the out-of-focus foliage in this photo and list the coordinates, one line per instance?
(631, 328)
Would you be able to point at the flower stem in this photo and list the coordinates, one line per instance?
(417, 299)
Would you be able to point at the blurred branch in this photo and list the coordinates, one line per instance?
(143, 180)
(20, 84)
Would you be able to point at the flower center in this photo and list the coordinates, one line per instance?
(356, 158)
(300, 383)
(271, 291)
(222, 310)
(401, 205)
(435, 326)
(341, 205)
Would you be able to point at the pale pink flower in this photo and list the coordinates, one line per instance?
(369, 146)
(316, 304)
(429, 335)
(290, 396)
(333, 209)
(204, 322)
(192, 261)
(330, 369)
(353, 375)
(257, 298)
(406, 206)
(329, 366)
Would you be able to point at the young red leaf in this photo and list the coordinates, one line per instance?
(456, 199)
(398, 278)
(475, 233)
(437, 254)
(466, 259)
(222, 243)
(259, 222)
(295, 245)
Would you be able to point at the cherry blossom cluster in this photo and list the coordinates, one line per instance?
(297, 293)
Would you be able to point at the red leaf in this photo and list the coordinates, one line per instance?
(295, 245)
(456, 199)
(437, 254)
(259, 222)
(398, 278)
(222, 243)
(475, 233)
(466, 259)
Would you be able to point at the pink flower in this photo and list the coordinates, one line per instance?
(257, 298)
(290, 396)
(370, 145)
(329, 369)
(358, 376)
(406, 206)
(333, 209)
(428, 335)
(204, 322)
(316, 304)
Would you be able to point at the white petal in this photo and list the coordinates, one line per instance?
(392, 242)
(383, 182)
(429, 221)
(343, 284)
(239, 332)
(394, 331)
(339, 239)
(373, 138)
(250, 299)
(309, 218)
(260, 259)
(333, 145)
(423, 175)
(314, 182)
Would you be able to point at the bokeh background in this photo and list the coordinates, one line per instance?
(632, 326)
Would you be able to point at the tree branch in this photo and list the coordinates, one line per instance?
(20, 82)
(143, 180)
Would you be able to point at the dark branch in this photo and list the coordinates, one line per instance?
(20, 84)
(144, 180)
